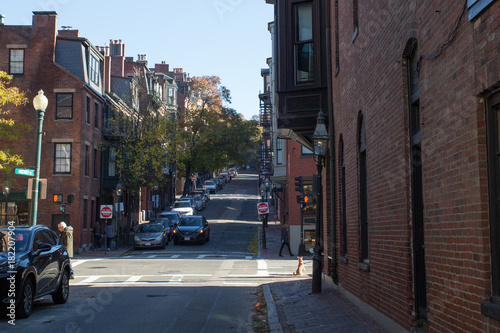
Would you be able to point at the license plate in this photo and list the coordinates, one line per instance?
(187, 238)
(147, 243)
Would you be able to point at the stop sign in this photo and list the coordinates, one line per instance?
(263, 208)
(106, 211)
(193, 178)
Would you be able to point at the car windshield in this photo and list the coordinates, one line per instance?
(148, 228)
(191, 221)
(209, 182)
(173, 217)
(182, 204)
(18, 238)
(165, 222)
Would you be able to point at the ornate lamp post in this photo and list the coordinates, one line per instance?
(320, 139)
(40, 103)
(6, 191)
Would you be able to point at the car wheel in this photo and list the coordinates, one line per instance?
(62, 293)
(208, 236)
(25, 305)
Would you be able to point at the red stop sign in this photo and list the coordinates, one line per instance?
(193, 178)
(263, 208)
(106, 212)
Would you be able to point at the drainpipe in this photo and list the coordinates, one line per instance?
(333, 220)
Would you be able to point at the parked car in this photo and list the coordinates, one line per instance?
(150, 235)
(192, 229)
(226, 175)
(174, 217)
(221, 182)
(205, 195)
(210, 186)
(200, 203)
(167, 224)
(192, 202)
(38, 263)
(183, 207)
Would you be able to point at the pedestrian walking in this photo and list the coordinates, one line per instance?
(109, 234)
(66, 238)
(97, 235)
(285, 239)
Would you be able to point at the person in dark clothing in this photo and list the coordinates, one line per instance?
(285, 239)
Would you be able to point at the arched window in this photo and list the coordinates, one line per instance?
(343, 205)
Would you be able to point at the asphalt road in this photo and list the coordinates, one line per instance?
(183, 288)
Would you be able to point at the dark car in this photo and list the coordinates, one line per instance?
(174, 217)
(167, 224)
(33, 263)
(150, 235)
(192, 229)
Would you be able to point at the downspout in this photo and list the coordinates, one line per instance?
(333, 221)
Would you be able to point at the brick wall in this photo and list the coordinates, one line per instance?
(371, 82)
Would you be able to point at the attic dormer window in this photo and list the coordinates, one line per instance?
(304, 46)
(94, 69)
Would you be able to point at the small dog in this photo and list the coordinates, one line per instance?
(301, 267)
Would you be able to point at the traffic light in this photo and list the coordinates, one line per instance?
(307, 199)
(58, 198)
(299, 186)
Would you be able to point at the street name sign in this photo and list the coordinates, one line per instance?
(24, 172)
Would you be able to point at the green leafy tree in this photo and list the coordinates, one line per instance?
(10, 131)
(213, 136)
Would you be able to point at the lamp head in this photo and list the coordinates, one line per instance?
(40, 102)
(320, 136)
(119, 189)
(6, 187)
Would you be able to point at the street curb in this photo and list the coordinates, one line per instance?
(272, 313)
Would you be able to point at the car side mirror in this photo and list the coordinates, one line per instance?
(42, 247)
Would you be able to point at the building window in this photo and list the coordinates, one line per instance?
(475, 7)
(87, 111)
(306, 152)
(86, 160)
(343, 197)
(95, 163)
(493, 132)
(112, 162)
(96, 115)
(94, 69)
(64, 106)
(85, 213)
(16, 65)
(279, 151)
(92, 213)
(355, 19)
(303, 45)
(62, 158)
(363, 195)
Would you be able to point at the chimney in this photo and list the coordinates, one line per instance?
(143, 59)
(1, 19)
(162, 68)
(68, 32)
(45, 19)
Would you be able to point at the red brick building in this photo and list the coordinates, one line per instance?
(411, 230)
(68, 69)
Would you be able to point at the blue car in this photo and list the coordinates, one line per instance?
(33, 263)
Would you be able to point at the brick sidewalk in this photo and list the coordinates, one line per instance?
(300, 311)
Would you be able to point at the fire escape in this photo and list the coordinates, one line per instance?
(266, 160)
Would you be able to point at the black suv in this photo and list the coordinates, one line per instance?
(33, 263)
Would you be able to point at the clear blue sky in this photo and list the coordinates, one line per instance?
(227, 38)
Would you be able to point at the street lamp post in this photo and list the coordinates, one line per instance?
(117, 196)
(6, 192)
(264, 216)
(40, 103)
(320, 138)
